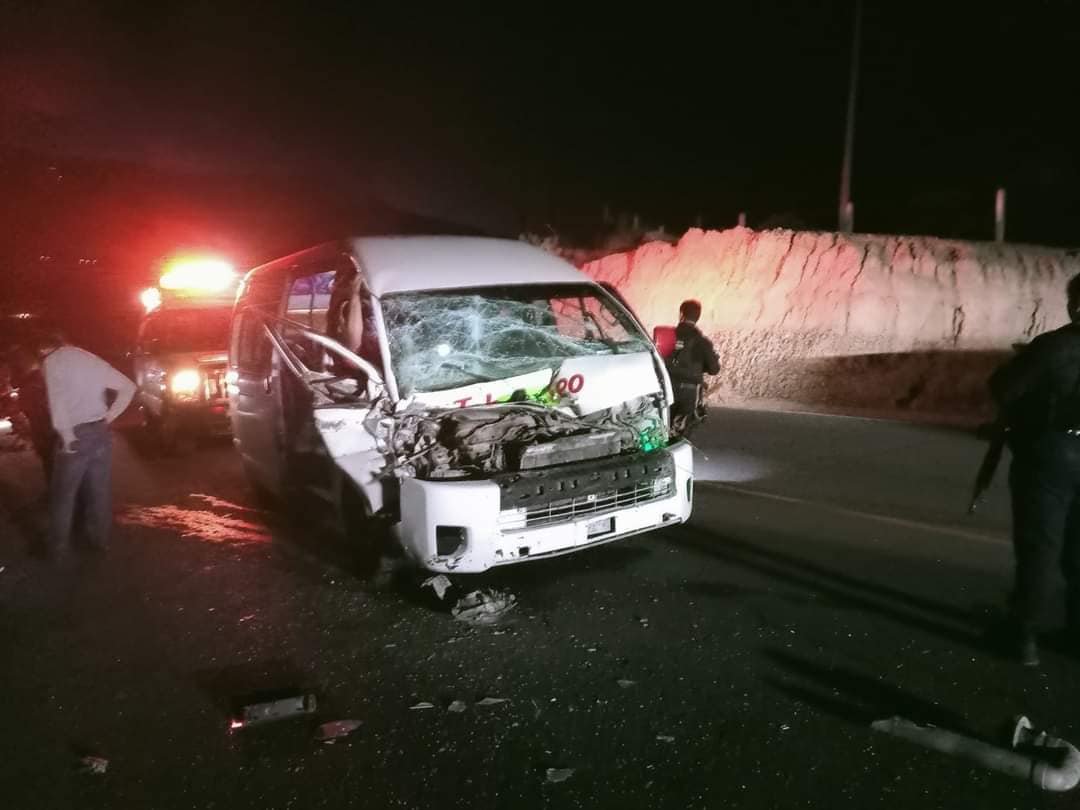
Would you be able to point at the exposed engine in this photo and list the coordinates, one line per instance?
(480, 440)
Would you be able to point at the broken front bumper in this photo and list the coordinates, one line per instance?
(470, 526)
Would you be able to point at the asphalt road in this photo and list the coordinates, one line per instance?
(829, 578)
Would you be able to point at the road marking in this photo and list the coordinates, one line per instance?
(887, 519)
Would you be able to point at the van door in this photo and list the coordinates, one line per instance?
(254, 387)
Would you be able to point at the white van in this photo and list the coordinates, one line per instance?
(482, 398)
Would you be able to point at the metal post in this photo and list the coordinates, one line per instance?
(846, 224)
(742, 219)
(999, 216)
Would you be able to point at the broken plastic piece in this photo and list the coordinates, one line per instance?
(556, 775)
(95, 765)
(624, 683)
(423, 704)
(665, 738)
(490, 701)
(1048, 762)
(336, 729)
(483, 607)
(440, 584)
(458, 706)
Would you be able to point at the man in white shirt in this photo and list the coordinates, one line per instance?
(77, 385)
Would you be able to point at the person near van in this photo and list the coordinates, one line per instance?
(34, 404)
(1038, 394)
(78, 386)
(694, 357)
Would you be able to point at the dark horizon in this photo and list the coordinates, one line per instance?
(256, 130)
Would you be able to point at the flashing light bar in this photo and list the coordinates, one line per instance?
(198, 275)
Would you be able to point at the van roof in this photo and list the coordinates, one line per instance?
(409, 263)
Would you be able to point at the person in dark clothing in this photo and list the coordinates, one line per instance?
(34, 404)
(1038, 394)
(693, 358)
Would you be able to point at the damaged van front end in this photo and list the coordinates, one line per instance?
(495, 423)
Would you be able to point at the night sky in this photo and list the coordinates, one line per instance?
(173, 123)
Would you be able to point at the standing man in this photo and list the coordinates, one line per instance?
(1038, 393)
(693, 358)
(77, 385)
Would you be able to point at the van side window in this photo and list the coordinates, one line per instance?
(309, 298)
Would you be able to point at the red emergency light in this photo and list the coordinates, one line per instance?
(150, 298)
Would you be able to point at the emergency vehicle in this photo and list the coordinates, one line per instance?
(181, 353)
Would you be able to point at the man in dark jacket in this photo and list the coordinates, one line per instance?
(693, 358)
(1038, 392)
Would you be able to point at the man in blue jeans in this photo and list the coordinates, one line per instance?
(77, 385)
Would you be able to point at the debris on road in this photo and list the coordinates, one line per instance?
(665, 738)
(490, 701)
(423, 704)
(625, 683)
(556, 775)
(278, 709)
(484, 607)
(458, 706)
(1045, 761)
(94, 765)
(440, 584)
(335, 730)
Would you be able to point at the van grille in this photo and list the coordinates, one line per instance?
(566, 510)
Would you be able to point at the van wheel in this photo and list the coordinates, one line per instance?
(363, 532)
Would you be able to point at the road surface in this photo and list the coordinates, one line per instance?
(829, 578)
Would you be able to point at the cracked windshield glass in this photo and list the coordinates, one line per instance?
(448, 339)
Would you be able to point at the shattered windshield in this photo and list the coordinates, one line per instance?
(452, 338)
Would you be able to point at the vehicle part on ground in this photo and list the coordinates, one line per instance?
(484, 607)
(94, 765)
(440, 583)
(556, 775)
(336, 729)
(1047, 762)
(278, 709)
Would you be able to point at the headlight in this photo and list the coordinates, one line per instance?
(185, 383)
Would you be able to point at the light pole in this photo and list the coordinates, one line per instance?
(846, 213)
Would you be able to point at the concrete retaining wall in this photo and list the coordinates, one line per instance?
(857, 322)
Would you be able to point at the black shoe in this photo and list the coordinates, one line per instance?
(1027, 650)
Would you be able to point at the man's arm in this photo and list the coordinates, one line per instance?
(124, 388)
(709, 359)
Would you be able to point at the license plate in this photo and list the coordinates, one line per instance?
(598, 528)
